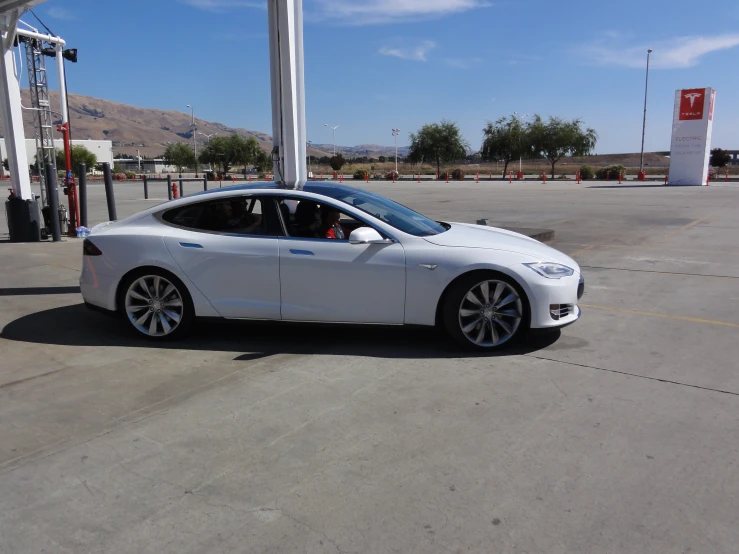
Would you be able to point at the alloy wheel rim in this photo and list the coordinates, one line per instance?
(490, 313)
(154, 306)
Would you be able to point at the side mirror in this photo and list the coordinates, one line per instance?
(367, 235)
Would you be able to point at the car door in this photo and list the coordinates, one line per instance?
(329, 280)
(233, 260)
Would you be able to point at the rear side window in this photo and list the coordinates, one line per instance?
(244, 215)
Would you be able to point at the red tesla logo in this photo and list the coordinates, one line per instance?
(692, 102)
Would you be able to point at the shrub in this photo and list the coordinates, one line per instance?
(392, 175)
(130, 174)
(586, 172)
(360, 174)
(457, 175)
(612, 170)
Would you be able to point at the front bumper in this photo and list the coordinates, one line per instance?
(553, 302)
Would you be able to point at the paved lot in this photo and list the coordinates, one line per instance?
(620, 435)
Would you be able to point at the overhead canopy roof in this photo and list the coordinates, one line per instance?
(8, 5)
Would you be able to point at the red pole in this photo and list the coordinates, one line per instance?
(393, 174)
(578, 176)
(74, 209)
(510, 177)
(544, 177)
(447, 176)
(619, 178)
(477, 177)
(727, 175)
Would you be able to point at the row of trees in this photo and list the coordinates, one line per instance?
(222, 152)
(506, 139)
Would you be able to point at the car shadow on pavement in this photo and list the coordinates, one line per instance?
(77, 326)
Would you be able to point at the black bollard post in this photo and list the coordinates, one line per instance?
(169, 187)
(109, 193)
(205, 184)
(83, 195)
(146, 188)
(52, 197)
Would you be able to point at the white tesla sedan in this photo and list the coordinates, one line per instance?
(326, 253)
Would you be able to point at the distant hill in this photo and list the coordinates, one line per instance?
(130, 128)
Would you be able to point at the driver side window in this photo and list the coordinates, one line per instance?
(308, 219)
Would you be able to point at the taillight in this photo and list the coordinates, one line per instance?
(89, 249)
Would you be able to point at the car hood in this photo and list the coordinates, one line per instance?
(465, 235)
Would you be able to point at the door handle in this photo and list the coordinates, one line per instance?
(190, 245)
(302, 252)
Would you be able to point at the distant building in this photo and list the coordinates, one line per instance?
(734, 157)
(103, 149)
(147, 166)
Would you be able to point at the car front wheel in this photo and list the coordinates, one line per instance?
(486, 311)
(156, 304)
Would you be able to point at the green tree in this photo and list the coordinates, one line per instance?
(337, 162)
(382, 159)
(80, 155)
(263, 162)
(556, 138)
(437, 143)
(719, 158)
(505, 140)
(225, 152)
(179, 155)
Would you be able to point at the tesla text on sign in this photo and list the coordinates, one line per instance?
(692, 125)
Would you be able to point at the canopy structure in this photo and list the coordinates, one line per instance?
(285, 20)
(10, 96)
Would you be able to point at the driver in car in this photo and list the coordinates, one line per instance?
(331, 229)
(224, 219)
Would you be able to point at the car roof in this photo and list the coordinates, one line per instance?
(317, 187)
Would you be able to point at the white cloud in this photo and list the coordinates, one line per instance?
(60, 13)
(677, 53)
(372, 12)
(223, 5)
(415, 54)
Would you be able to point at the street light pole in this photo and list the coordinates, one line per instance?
(520, 119)
(334, 130)
(138, 155)
(644, 124)
(310, 166)
(396, 132)
(194, 139)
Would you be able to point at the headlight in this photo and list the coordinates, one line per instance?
(551, 270)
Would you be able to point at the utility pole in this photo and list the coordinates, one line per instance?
(138, 156)
(310, 166)
(194, 140)
(644, 124)
(396, 132)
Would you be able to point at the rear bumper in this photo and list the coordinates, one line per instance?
(97, 289)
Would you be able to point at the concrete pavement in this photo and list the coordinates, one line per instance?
(619, 435)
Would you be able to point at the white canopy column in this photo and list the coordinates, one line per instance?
(288, 92)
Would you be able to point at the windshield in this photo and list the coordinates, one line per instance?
(384, 209)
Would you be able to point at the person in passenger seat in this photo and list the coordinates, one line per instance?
(331, 229)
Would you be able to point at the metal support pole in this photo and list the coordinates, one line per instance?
(109, 193)
(169, 187)
(146, 187)
(288, 92)
(644, 124)
(205, 183)
(83, 195)
(52, 195)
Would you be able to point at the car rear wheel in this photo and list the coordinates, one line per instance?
(156, 304)
(486, 311)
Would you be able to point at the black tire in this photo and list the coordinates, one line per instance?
(187, 313)
(452, 304)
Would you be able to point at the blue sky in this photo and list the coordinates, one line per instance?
(372, 65)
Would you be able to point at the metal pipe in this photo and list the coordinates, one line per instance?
(169, 187)
(46, 38)
(83, 195)
(146, 187)
(109, 193)
(205, 183)
(644, 124)
(52, 195)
